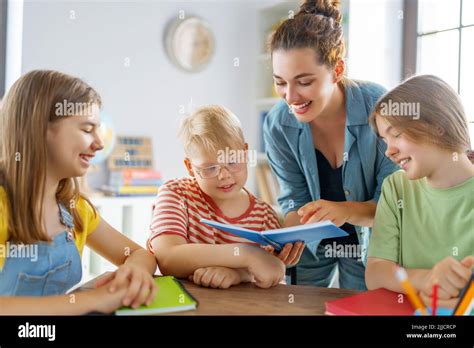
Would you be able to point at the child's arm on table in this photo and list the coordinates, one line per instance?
(224, 277)
(380, 273)
(220, 277)
(451, 276)
(136, 265)
(177, 257)
(132, 281)
(96, 300)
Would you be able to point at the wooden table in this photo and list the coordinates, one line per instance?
(248, 299)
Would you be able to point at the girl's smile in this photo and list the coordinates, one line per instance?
(73, 137)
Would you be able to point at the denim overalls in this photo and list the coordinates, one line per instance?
(54, 269)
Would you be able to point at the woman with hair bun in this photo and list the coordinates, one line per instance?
(328, 161)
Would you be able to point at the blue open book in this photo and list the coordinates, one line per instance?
(279, 237)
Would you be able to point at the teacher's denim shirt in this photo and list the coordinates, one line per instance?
(291, 153)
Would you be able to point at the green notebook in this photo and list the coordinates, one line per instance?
(170, 297)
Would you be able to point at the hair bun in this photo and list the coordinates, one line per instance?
(327, 8)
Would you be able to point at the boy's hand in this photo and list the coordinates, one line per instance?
(336, 212)
(267, 269)
(215, 277)
(290, 254)
(451, 276)
(141, 288)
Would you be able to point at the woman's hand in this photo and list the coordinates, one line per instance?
(141, 288)
(290, 254)
(336, 212)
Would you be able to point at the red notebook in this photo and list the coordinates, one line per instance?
(372, 302)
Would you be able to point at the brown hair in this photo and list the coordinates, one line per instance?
(211, 128)
(25, 114)
(441, 119)
(317, 25)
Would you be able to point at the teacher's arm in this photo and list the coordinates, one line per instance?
(353, 212)
(339, 213)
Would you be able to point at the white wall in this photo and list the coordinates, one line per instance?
(14, 35)
(145, 98)
(375, 41)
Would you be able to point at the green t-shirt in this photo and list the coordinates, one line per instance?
(417, 226)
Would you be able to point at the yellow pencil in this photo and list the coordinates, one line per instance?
(416, 302)
(466, 299)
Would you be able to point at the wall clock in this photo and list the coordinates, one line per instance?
(190, 43)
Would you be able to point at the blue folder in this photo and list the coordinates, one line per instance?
(279, 237)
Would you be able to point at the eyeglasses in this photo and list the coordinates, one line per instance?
(213, 171)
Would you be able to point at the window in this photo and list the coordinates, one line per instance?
(445, 37)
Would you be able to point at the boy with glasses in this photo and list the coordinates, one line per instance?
(216, 160)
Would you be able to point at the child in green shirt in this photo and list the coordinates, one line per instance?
(425, 216)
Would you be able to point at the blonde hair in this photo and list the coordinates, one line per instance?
(211, 128)
(441, 120)
(25, 114)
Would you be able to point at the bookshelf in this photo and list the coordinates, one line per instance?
(268, 18)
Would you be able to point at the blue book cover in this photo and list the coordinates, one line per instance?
(279, 237)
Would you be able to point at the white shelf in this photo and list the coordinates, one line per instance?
(128, 215)
(125, 200)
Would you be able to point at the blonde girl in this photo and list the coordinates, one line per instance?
(44, 149)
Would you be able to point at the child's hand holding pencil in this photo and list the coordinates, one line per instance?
(450, 276)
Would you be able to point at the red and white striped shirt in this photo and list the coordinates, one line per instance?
(181, 204)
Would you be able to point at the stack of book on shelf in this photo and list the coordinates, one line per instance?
(133, 182)
(131, 168)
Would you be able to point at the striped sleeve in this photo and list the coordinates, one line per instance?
(169, 215)
(272, 221)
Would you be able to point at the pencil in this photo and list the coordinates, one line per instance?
(402, 277)
(435, 299)
(465, 298)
